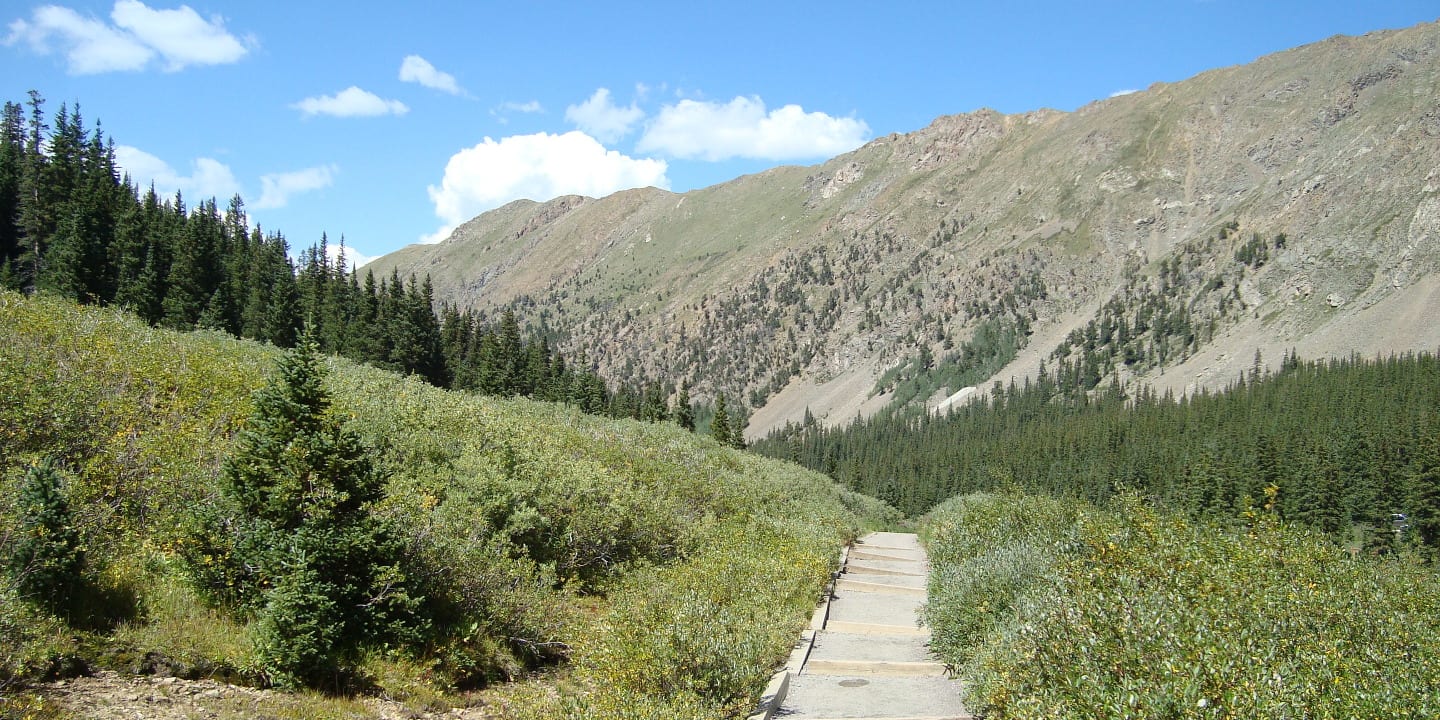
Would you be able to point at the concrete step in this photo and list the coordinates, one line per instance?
(831, 645)
(858, 628)
(868, 657)
(909, 580)
(902, 541)
(886, 567)
(886, 668)
(896, 555)
(870, 696)
(889, 586)
(891, 553)
(873, 606)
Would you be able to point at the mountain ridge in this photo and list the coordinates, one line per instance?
(798, 287)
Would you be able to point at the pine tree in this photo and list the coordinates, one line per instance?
(47, 560)
(504, 366)
(304, 550)
(720, 423)
(34, 220)
(1423, 492)
(12, 159)
(684, 410)
(737, 430)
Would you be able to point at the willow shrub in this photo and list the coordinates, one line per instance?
(1150, 616)
(698, 638)
(986, 553)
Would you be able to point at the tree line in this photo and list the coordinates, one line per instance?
(1352, 446)
(71, 225)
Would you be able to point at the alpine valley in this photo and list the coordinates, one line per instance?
(1174, 237)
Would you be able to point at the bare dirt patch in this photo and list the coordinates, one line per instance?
(115, 696)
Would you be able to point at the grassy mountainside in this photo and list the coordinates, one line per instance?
(621, 552)
(799, 287)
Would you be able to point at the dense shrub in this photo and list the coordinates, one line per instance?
(988, 552)
(698, 638)
(1151, 616)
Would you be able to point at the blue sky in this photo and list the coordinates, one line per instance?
(390, 123)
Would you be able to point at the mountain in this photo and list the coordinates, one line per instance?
(1175, 236)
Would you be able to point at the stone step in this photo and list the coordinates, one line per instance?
(813, 697)
(887, 668)
(885, 567)
(890, 588)
(894, 555)
(832, 645)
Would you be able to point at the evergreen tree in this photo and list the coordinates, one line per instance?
(737, 429)
(720, 423)
(304, 550)
(1423, 492)
(47, 560)
(36, 208)
(684, 410)
(12, 159)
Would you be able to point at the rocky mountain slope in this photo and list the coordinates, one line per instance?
(1164, 236)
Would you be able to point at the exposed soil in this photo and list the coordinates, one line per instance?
(114, 696)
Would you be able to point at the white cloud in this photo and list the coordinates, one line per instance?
(417, 69)
(602, 118)
(530, 107)
(350, 102)
(276, 188)
(353, 258)
(538, 167)
(1119, 93)
(715, 131)
(502, 112)
(180, 37)
(90, 46)
(208, 178)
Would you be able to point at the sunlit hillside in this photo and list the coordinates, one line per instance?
(619, 553)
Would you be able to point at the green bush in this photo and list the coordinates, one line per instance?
(988, 552)
(698, 638)
(1149, 615)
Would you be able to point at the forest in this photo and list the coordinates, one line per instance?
(80, 230)
(1353, 445)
